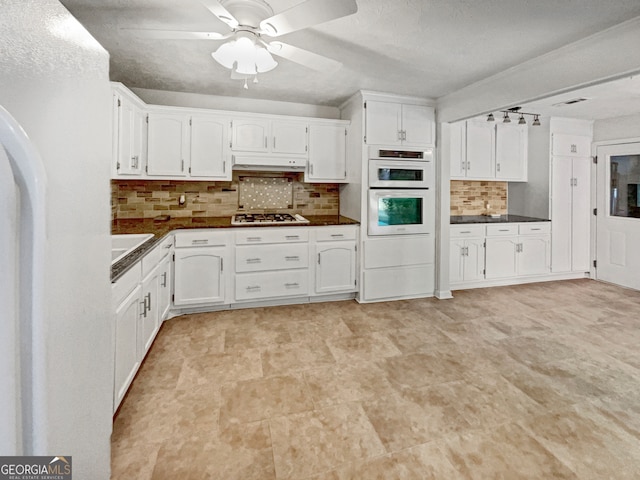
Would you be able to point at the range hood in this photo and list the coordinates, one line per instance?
(269, 163)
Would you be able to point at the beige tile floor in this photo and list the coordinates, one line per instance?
(538, 381)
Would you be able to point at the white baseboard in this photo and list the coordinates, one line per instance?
(502, 282)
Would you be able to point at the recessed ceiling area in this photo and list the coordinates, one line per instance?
(608, 100)
(425, 48)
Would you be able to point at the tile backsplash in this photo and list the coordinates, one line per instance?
(471, 197)
(247, 191)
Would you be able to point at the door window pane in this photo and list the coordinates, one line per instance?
(624, 191)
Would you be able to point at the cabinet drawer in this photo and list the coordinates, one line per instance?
(201, 238)
(287, 283)
(272, 235)
(271, 257)
(457, 231)
(151, 259)
(332, 234)
(501, 230)
(398, 282)
(535, 228)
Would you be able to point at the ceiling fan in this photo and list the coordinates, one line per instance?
(247, 53)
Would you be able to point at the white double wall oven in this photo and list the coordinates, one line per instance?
(401, 191)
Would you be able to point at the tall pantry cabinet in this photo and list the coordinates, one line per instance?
(559, 187)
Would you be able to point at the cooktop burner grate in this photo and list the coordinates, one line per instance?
(270, 218)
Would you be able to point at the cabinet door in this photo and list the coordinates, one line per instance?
(418, 125)
(474, 259)
(198, 276)
(127, 359)
(129, 139)
(481, 140)
(581, 215)
(570, 145)
(533, 258)
(457, 149)
(327, 154)
(456, 260)
(168, 145)
(501, 257)
(164, 288)
(383, 123)
(150, 317)
(250, 135)
(336, 267)
(139, 143)
(209, 141)
(289, 137)
(511, 152)
(561, 213)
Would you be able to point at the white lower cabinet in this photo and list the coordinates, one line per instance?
(271, 263)
(126, 357)
(165, 287)
(150, 315)
(513, 250)
(199, 268)
(335, 259)
(466, 260)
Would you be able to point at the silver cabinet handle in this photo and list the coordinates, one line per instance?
(168, 246)
(468, 165)
(274, 143)
(291, 285)
(503, 230)
(292, 258)
(148, 299)
(265, 142)
(399, 134)
(203, 241)
(144, 309)
(254, 260)
(337, 235)
(311, 168)
(535, 229)
(466, 231)
(462, 166)
(498, 167)
(253, 288)
(182, 165)
(254, 239)
(318, 259)
(164, 279)
(224, 166)
(574, 148)
(292, 237)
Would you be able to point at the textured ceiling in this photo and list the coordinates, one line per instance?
(426, 48)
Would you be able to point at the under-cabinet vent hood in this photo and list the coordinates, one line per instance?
(269, 163)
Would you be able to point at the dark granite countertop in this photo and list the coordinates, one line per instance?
(464, 219)
(161, 229)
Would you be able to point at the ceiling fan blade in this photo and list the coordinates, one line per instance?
(176, 34)
(307, 14)
(215, 7)
(303, 57)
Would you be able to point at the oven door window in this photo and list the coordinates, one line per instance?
(401, 174)
(399, 211)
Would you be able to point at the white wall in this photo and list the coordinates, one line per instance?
(54, 81)
(617, 128)
(196, 100)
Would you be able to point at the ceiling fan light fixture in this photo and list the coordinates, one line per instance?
(244, 56)
(536, 121)
(491, 118)
(506, 118)
(522, 121)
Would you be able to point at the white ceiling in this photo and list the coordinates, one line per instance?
(425, 48)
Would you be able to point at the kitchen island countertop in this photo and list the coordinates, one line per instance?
(508, 218)
(160, 229)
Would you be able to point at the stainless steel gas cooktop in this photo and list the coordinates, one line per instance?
(267, 218)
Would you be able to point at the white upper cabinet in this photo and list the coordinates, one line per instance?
(169, 144)
(327, 153)
(480, 150)
(390, 123)
(264, 135)
(570, 145)
(209, 147)
(512, 143)
(129, 135)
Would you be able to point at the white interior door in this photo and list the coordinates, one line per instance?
(618, 219)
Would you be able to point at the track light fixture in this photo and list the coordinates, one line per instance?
(521, 120)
